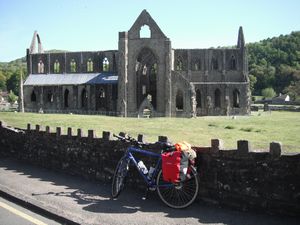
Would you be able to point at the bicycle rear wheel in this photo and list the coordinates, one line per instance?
(119, 176)
(179, 195)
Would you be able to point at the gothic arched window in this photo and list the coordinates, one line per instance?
(73, 66)
(105, 64)
(179, 100)
(233, 63)
(179, 64)
(217, 98)
(33, 97)
(66, 98)
(56, 67)
(84, 98)
(90, 65)
(214, 64)
(41, 67)
(198, 99)
(236, 98)
(145, 32)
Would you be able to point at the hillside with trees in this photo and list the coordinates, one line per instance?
(275, 63)
(274, 67)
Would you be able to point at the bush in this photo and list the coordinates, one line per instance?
(268, 92)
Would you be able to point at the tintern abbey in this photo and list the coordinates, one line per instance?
(145, 76)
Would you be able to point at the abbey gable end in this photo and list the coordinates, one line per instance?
(144, 77)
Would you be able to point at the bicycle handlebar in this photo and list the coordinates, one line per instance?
(130, 139)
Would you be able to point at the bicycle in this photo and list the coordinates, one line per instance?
(175, 195)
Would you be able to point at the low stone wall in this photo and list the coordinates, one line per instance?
(241, 178)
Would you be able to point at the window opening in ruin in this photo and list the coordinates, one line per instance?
(137, 65)
(66, 98)
(102, 93)
(146, 77)
(105, 64)
(233, 63)
(73, 66)
(236, 98)
(56, 66)
(50, 97)
(197, 65)
(214, 64)
(145, 31)
(179, 100)
(217, 98)
(33, 97)
(41, 67)
(101, 101)
(144, 89)
(84, 98)
(90, 65)
(144, 70)
(198, 99)
(179, 65)
(154, 69)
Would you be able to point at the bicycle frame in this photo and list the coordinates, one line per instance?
(151, 182)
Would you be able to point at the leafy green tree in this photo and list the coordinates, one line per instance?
(268, 93)
(12, 97)
(13, 83)
(2, 81)
(253, 81)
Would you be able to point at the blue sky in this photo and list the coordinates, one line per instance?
(78, 25)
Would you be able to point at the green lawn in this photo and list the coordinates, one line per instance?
(260, 128)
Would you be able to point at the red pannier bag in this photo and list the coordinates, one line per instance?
(174, 166)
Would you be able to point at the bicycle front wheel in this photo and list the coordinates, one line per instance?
(179, 195)
(119, 176)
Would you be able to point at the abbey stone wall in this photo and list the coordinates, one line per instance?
(144, 76)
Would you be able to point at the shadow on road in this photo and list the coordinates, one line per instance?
(95, 197)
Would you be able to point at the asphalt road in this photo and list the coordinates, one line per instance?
(86, 202)
(12, 214)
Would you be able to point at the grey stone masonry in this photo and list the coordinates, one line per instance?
(248, 181)
(144, 77)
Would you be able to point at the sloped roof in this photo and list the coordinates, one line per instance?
(70, 79)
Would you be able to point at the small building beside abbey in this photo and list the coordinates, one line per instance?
(144, 76)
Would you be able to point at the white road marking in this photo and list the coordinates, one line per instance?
(21, 214)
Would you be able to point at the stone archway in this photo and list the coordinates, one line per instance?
(146, 77)
(146, 109)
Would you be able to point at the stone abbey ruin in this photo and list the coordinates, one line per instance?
(144, 76)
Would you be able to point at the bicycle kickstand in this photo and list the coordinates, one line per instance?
(145, 194)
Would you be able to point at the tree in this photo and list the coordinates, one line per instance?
(2, 81)
(253, 81)
(268, 92)
(294, 88)
(12, 98)
(12, 83)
